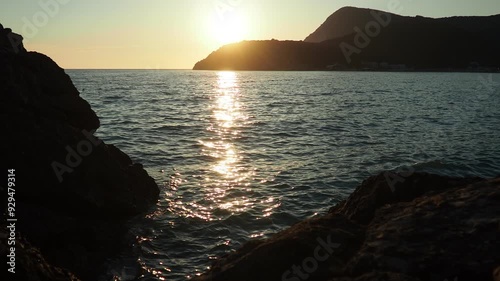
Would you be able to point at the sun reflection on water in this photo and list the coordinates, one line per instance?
(226, 119)
(223, 184)
(227, 109)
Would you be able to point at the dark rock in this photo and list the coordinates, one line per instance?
(74, 193)
(11, 42)
(443, 235)
(389, 187)
(426, 227)
(31, 264)
(270, 259)
(45, 118)
(496, 274)
(380, 276)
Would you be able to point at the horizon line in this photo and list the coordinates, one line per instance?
(126, 68)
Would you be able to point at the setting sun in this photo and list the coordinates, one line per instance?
(229, 29)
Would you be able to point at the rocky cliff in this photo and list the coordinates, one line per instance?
(73, 193)
(393, 227)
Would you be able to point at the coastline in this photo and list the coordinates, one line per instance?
(356, 70)
(392, 227)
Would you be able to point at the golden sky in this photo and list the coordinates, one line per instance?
(175, 34)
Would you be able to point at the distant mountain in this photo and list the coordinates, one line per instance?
(343, 22)
(363, 39)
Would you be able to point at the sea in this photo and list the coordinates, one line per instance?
(242, 155)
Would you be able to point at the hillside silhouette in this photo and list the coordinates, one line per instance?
(363, 39)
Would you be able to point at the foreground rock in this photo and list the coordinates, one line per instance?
(421, 227)
(73, 192)
(31, 264)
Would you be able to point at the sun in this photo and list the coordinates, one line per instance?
(229, 29)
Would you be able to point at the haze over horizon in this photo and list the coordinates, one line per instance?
(175, 34)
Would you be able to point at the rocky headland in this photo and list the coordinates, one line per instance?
(73, 194)
(365, 39)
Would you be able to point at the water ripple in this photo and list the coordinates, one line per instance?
(240, 156)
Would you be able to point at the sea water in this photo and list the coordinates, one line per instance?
(243, 155)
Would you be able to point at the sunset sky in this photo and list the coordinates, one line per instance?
(175, 34)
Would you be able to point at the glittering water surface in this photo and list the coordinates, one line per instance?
(241, 155)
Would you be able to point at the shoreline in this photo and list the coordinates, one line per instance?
(361, 70)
